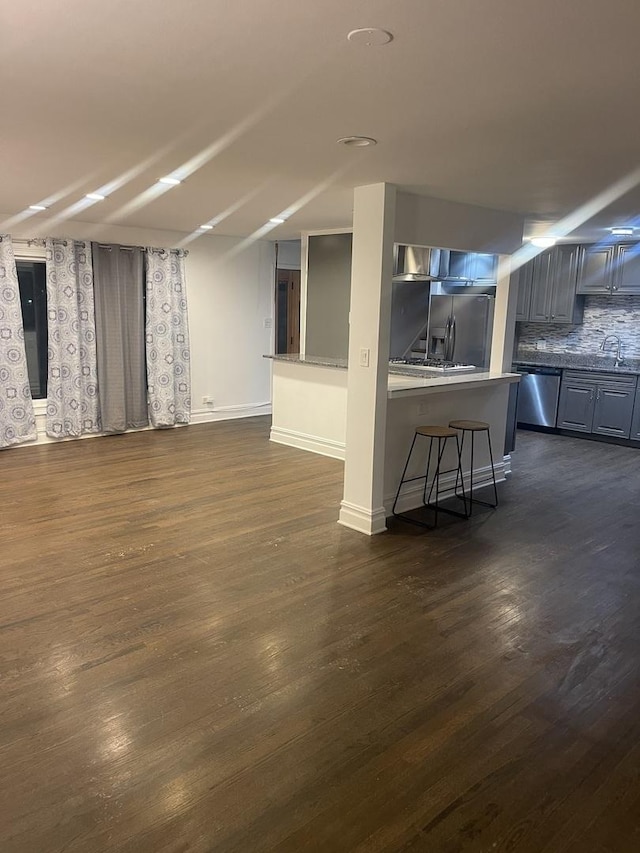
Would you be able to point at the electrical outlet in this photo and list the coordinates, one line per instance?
(364, 357)
(207, 401)
(268, 322)
(541, 344)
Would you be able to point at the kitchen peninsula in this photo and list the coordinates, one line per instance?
(309, 410)
(360, 414)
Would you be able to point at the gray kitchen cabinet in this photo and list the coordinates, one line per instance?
(613, 409)
(541, 287)
(597, 403)
(553, 275)
(626, 271)
(577, 400)
(635, 422)
(564, 307)
(473, 266)
(595, 274)
(522, 280)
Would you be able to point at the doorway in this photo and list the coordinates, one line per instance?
(287, 311)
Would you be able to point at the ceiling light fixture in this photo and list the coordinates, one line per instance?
(357, 141)
(95, 196)
(370, 36)
(544, 242)
(206, 227)
(277, 220)
(37, 207)
(622, 231)
(172, 182)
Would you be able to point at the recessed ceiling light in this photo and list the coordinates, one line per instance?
(206, 227)
(622, 231)
(544, 242)
(95, 196)
(172, 182)
(357, 141)
(277, 220)
(37, 207)
(370, 36)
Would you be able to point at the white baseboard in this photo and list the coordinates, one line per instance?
(198, 416)
(362, 519)
(226, 413)
(411, 496)
(303, 441)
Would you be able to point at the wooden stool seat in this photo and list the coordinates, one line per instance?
(472, 426)
(436, 431)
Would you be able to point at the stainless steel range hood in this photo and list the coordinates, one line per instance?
(420, 263)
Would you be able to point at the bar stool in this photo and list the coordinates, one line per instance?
(441, 434)
(473, 427)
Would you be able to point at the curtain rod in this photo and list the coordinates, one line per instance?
(110, 246)
(40, 241)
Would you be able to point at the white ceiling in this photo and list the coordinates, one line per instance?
(526, 106)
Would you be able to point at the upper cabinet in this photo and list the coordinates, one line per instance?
(626, 272)
(596, 270)
(473, 266)
(550, 287)
(522, 278)
(610, 270)
(547, 287)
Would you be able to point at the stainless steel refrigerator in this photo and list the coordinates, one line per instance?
(461, 323)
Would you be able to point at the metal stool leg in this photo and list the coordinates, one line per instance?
(493, 470)
(406, 466)
(432, 484)
(459, 446)
(471, 477)
(442, 443)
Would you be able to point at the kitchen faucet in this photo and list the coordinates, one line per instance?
(619, 358)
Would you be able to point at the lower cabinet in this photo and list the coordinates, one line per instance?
(597, 403)
(635, 423)
(577, 400)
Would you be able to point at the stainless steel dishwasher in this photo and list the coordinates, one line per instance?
(538, 394)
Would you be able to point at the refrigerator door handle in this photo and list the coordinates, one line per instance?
(452, 339)
(447, 339)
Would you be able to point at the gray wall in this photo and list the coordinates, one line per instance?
(289, 254)
(328, 295)
(426, 221)
(603, 315)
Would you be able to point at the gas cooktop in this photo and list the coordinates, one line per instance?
(430, 364)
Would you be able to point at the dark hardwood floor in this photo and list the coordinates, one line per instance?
(195, 657)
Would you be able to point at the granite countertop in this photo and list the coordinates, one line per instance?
(405, 386)
(314, 360)
(394, 369)
(577, 361)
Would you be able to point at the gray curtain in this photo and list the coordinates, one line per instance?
(168, 368)
(118, 287)
(17, 419)
(72, 383)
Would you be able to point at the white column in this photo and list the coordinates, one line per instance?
(362, 506)
(504, 319)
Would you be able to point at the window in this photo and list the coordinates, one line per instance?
(33, 297)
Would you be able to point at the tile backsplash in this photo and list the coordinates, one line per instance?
(603, 315)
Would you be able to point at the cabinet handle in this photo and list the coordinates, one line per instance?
(553, 316)
(614, 287)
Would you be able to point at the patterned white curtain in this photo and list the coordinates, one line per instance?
(17, 419)
(72, 384)
(167, 337)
